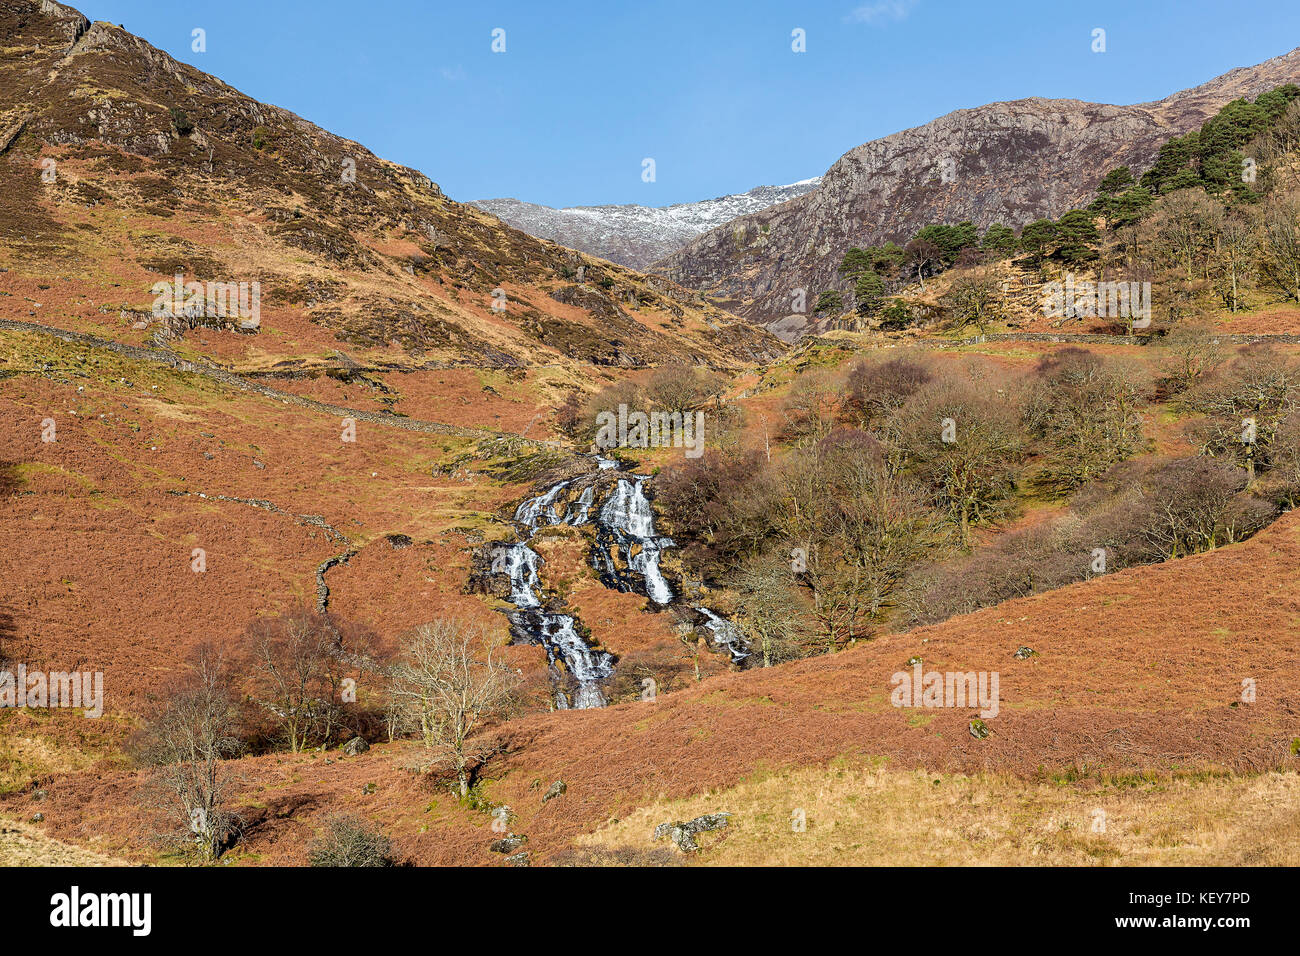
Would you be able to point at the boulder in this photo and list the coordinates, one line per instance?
(555, 790)
(683, 833)
(508, 844)
(356, 746)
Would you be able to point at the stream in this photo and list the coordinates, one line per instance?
(624, 526)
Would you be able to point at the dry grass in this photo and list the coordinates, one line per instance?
(24, 845)
(870, 816)
(32, 750)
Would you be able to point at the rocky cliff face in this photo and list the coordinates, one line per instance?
(1004, 162)
(633, 235)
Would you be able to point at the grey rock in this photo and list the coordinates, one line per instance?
(555, 790)
(356, 746)
(508, 844)
(683, 833)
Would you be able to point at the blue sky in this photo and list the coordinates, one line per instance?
(710, 89)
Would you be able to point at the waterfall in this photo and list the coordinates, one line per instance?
(519, 562)
(556, 632)
(579, 509)
(625, 520)
(532, 510)
(725, 634)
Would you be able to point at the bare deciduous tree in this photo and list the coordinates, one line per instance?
(679, 388)
(296, 674)
(1086, 407)
(769, 612)
(1184, 223)
(858, 528)
(1192, 351)
(1279, 263)
(188, 743)
(1246, 404)
(1234, 255)
(810, 408)
(963, 445)
(449, 681)
(975, 298)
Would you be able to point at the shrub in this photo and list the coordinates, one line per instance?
(811, 407)
(180, 122)
(349, 840)
(962, 445)
(1192, 351)
(1261, 387)
(1019, 564)
(721, 507)
(873, 390)
(1165, 509)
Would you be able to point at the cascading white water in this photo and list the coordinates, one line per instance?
(519, 562)
(588, 667)
(555, 632)
(628, 515)
(579, 509)
(625, 520)
(532, 510)
(725, 634)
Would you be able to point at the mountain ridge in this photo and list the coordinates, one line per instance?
(119, 157)
(632, 234)
(1011, 161)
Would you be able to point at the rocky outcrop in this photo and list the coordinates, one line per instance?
(683, 833)
(555, 790)
(1005, 162)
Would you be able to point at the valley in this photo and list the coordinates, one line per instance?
(440, 543)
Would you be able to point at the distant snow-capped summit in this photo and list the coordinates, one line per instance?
(633, 235)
